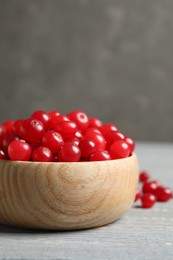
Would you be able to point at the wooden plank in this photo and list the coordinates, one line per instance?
(140, 234)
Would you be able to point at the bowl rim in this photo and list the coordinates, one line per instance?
(133, 155)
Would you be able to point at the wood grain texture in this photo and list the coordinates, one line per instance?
(66, 195)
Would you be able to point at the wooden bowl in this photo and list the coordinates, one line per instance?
(64, 196)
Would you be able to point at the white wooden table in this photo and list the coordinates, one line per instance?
(140, 234)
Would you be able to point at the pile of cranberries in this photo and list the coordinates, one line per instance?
(151, 191)
(54, 137)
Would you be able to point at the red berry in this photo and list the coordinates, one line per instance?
(100, 155)
(80, 118)
(144, 176)
(87, 147)
(16, 127)
(67, 129)
(8, 125)
(95, 122)
(107, 127)
(79, 135)
(92, 129)
(164, 194)
(74, 140)
(42, 116)
(138, 195)
(8, 139)
(42, 154)
(150, 187)
(55, 121)
(52, 140)
(69, 152)
(119, 149)
(32, 130)
(130, 143)
(97, 139)
(3, 155)
(2, 134)
(112, 136)
(148, 200)
(19, 150)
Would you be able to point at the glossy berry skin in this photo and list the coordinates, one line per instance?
(52, 140)
(97, 139)
(92, 129)
(113, 136)
(42, 116)
(16, 127)
(7, 140)
(95, 122)
(69, 152)
(3, 155)
(148, 200)
(150, 187)
(130, 143)
(79, 135)
(57, 120)
(119, 149)
(8, 126)
(32, 130)
(42, 154)
(2, 134)
(67, 129)
(19, 150)
(100, 155)
(87, 147)
(164, 194)
(144, 176)
(107, 127)
(80, 118)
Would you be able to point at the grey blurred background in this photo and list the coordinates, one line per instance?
(110, 58)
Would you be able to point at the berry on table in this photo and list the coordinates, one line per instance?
(148, 200)
(164, 194)
(150, 187)
(144, 176)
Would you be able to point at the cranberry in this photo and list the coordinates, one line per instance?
(112, 136)
(16, 127)
(8, 139)
(42, 154)
(119, 149)
(54, 122)
(144, 176)
(52, 140)
(138, 195)
(100, 155)
(164, 194)
(69, 152)
(32, 130)
(80, 118)
(67, 129)
(92, 129)
(42, 116)
(87, 147)
(97, 139)
(107, 127)
(19, 150)
(130, 143)
(79, 135)
(95, 122)
(2, 134)
(148, 200)
(3, 155)
(8, 126)
(150, 187)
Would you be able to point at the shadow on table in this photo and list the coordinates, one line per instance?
(18, 230)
